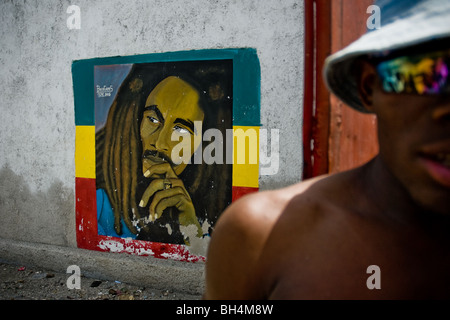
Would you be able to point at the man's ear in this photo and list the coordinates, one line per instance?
(365, 81)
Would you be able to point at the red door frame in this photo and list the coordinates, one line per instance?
(335, 137)
(316, 103)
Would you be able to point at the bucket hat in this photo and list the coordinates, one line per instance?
(404, 23)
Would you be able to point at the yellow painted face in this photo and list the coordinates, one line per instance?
(169, 114)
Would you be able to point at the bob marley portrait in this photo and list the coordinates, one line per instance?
(143, 193)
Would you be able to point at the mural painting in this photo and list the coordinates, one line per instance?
(143, 148)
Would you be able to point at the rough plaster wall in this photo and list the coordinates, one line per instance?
(37, 124)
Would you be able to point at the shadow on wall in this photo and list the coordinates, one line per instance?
(41, 217)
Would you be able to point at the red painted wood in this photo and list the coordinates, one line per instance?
(353, 138)
(316, 96)
(335, 137)
(308, 90)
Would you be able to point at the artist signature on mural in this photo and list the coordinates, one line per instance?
(104, 91)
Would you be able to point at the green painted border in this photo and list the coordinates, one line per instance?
(246, 80)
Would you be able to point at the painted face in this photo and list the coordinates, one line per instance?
(414, 138)
(168, 120)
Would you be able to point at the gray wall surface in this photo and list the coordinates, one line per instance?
(37, 128)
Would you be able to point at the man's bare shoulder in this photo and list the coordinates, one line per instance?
(264, 207)
(239, 239)
(255, 214)
(260, 237)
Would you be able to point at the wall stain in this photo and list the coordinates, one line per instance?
(42, 216)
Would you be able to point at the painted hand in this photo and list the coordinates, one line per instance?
(169, 191)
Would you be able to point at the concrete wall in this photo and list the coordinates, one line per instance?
(37, 127)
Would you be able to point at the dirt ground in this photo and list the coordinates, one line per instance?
(23, 283)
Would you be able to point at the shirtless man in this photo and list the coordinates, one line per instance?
(316, 239)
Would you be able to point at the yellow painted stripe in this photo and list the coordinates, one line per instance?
(85, 152)
(246, 156)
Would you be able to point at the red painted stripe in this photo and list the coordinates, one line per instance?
(86, 213)
(238, 192)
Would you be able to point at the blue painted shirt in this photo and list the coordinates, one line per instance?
(105, 218)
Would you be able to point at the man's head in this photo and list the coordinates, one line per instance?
(410, 94)
(168, 119)
(400, 73)
(404, 23)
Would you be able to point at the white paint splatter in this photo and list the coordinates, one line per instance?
(128, 247)
(197, 246)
